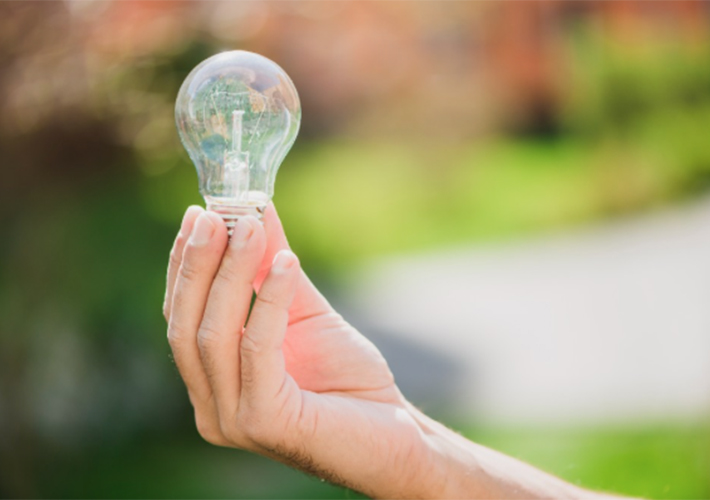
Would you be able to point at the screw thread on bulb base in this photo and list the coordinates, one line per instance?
(230, 214)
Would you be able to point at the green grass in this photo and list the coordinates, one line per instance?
(652, 461)
(669, 461)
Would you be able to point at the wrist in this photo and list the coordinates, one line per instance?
(458, 468)
(450, 468)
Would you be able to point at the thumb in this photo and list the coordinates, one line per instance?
(263, 367)
(308, 301)
(275, 242)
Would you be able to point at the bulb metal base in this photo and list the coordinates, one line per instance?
(230, 213)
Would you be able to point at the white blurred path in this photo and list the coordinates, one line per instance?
(605, 324)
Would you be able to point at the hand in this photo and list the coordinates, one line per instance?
(290, 380)
(293, 381)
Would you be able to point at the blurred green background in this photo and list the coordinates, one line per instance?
(425, 125)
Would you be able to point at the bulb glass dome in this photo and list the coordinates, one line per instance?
(237, 114)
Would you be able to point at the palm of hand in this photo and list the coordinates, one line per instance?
(340, 385)
(325, 354)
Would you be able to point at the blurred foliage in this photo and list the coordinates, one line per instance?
(94, 190)
(670, 460)
(650, 461)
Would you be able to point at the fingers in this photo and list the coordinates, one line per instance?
(308, 301)
(226, 312)
(188, 221)
(210, 285)
(262, 361)
(201, 259)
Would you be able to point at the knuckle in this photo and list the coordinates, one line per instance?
(166, 310)
(188, 270)
(175, 254)
(209, 431)
(207, 336)
(268, 298)
(176, 334)
(180, 241)
(249, 345)
(227, 273)
(230, 431)
(252, 427)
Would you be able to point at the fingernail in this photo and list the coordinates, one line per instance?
(243, 229)
(203, 230)
(284, 260)
(187, 217)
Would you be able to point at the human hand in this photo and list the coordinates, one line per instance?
(293, 381)
(290, 380)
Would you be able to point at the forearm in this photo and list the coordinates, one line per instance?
(463, 469)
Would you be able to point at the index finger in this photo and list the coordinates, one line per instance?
(188, 221)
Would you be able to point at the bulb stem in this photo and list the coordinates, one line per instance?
(237, 118)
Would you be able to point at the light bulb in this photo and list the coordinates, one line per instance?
(237, 114)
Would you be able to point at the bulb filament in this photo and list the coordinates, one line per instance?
(237, 162)
(237, 117)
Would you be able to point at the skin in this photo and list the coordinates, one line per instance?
(293, 381)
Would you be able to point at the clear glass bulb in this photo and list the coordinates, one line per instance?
(237, 114)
